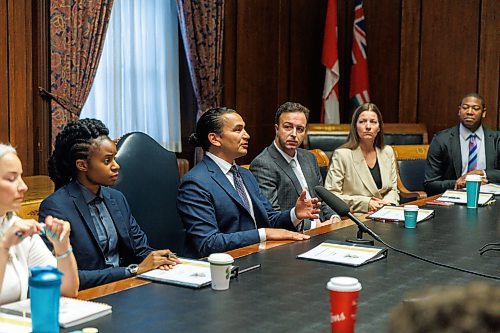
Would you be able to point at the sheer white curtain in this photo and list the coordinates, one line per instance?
(137, 82)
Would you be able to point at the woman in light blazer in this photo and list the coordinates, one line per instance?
(363, 170)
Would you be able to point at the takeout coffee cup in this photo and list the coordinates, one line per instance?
(220, 270)
(473, 184)
(344, 293)
(411, 214)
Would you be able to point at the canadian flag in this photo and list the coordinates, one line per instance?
(330, 59)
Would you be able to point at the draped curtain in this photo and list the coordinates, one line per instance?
(77, 32)
(202, 29)
(136, 87)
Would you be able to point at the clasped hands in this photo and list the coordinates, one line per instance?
(460, 182)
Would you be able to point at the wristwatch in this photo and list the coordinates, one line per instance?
(133, 269)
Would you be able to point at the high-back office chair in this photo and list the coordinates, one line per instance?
(410, 168)
(323, 161)
(149, 179)
(329, 137)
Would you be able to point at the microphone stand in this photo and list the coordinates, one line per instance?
(359, 235)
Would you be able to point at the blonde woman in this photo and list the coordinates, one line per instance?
(20, 244)
(363, 170)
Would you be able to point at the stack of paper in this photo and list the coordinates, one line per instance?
(396, 214)
(190, 273)
(71, 311)
(344, 253)
(461, 197)
(490, 188)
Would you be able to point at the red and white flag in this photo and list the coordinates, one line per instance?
(330, 59)
(358, 92)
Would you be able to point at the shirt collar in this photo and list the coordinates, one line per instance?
(222, 164)
(465, 132)
(88, 195)
(287, 157)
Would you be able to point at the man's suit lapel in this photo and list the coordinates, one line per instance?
(287, 169)
(361, 168)
(489, 149)
(76, 194)
(116, 215)
(456, 152)
(222, 181)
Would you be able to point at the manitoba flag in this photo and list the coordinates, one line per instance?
(330, 59)
(358, 93)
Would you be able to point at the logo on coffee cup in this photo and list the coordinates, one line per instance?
(337, 317)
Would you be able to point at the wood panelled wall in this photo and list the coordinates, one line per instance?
(24, 120)
(423, 56)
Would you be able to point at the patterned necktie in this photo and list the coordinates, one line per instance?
(472, 164)
(240, 186)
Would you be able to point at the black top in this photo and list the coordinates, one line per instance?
(375, 171)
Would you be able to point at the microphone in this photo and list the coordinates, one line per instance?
(338, 205)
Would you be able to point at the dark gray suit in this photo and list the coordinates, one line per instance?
(444, 159)
(278, 181)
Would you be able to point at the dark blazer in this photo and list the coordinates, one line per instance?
(213, 213)
(444, 159)
(68, 203)
(279, 183)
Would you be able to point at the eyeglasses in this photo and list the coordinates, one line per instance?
(466, 107)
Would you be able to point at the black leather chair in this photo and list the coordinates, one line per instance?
(149, 179)
(411, 171)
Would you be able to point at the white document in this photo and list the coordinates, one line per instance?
(338, 252)
(491, 189)
(190, 273)
(71, 311)
(461, 197)
(395, 214)
(12, 323)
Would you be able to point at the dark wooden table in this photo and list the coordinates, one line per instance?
(289, 295)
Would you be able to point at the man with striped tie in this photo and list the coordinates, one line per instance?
(468, 148)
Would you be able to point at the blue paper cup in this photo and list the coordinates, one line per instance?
(411, 213)
(473, 184)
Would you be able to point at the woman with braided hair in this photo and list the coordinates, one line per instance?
(108, 243)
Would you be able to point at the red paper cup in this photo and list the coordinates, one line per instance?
(343, 303)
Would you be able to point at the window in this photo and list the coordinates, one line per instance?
(136, 87)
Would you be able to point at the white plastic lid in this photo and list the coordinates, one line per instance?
(343, 283)
(410, 207)
(220, 258)
(473, 178)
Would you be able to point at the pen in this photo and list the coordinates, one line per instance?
(447, 197)
(20, 233)
(248, 269)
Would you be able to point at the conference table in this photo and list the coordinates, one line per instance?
(289, 295)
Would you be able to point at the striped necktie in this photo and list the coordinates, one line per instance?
(472, 164)
(240, 186)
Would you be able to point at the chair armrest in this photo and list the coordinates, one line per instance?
(183, 166)
(405, 193)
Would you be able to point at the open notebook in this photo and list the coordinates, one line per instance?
(71, 311)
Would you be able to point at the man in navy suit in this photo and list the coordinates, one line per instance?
(468, 148)
(220, 203)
